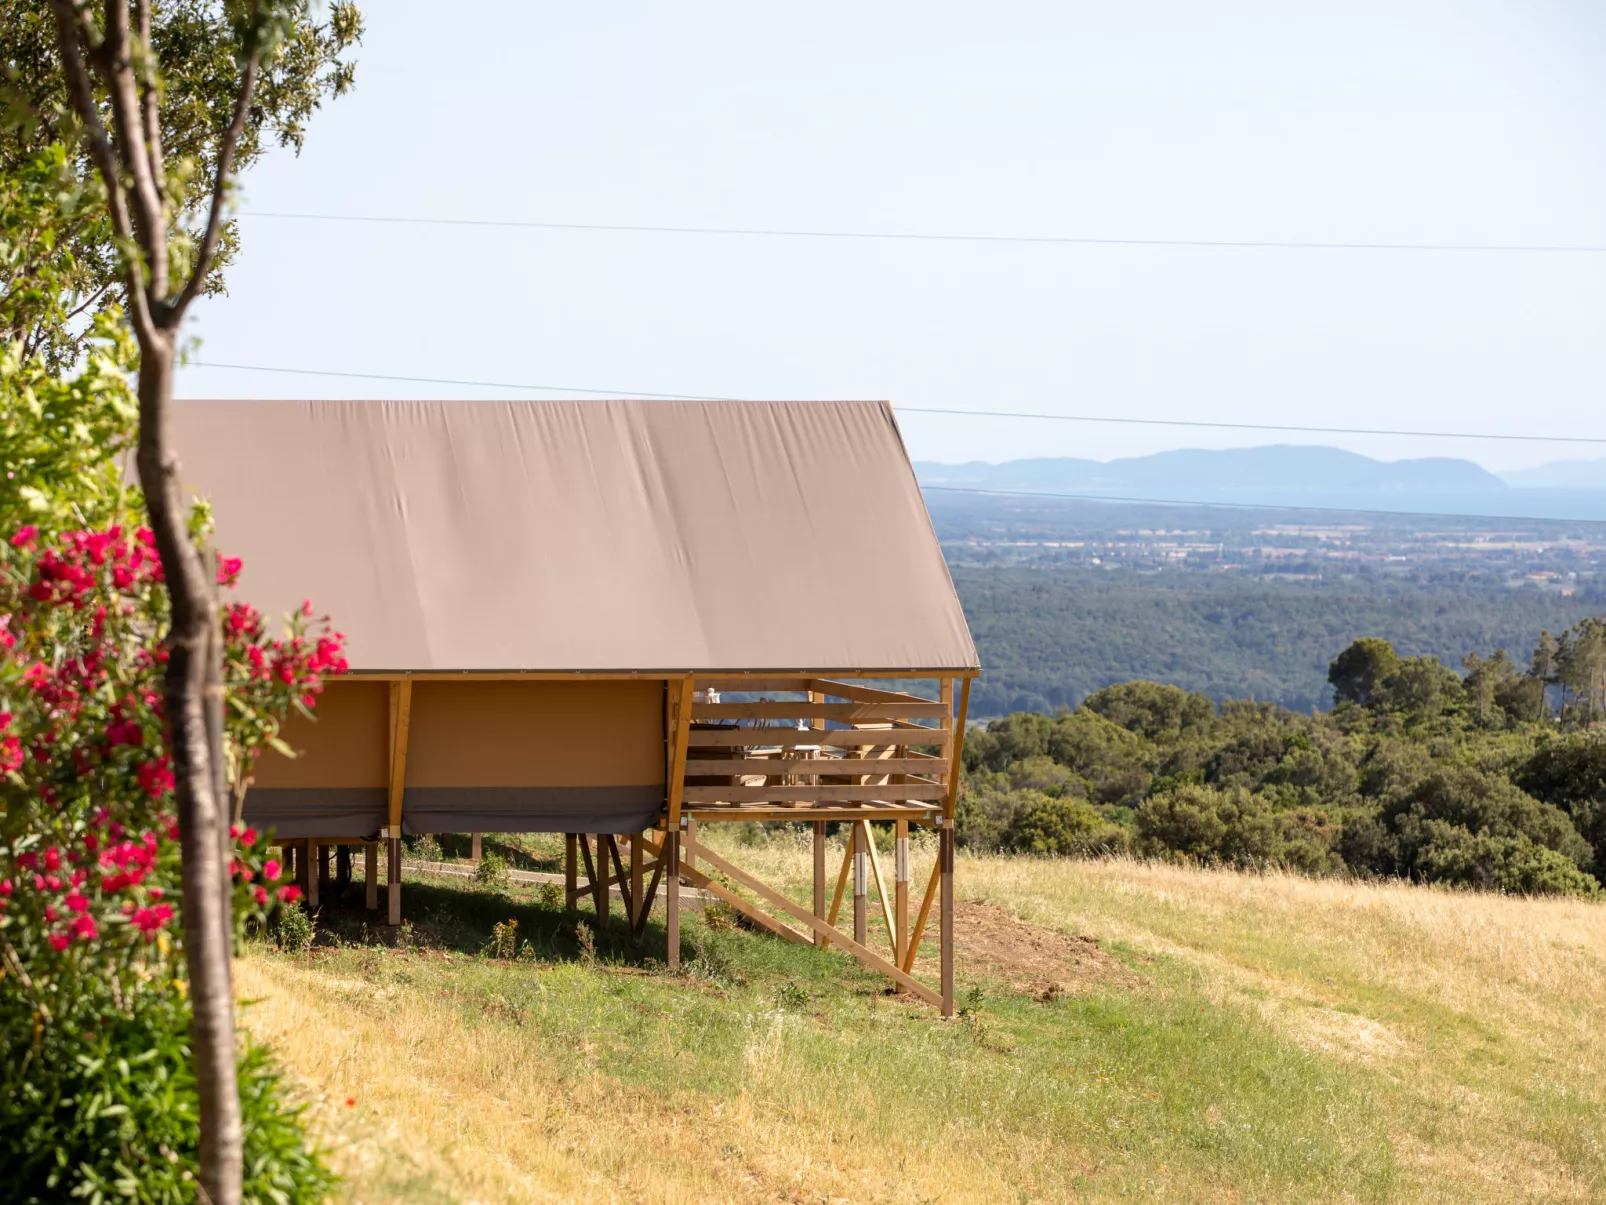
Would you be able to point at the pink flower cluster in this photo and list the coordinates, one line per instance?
(68, 574)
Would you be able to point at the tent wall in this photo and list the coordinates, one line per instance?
(482, 756)
(337, 784)
(511, 756)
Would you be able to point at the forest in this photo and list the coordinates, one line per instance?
(1051, 635)
(1493, 777)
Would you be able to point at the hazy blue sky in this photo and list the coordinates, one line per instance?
(1397, 121)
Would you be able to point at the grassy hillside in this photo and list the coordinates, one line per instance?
(1136, 1030)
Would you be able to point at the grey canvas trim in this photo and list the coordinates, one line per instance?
(317, 811)
(531, 809)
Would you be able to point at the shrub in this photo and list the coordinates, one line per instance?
(1066, 827)
(504, 941)
(1234, 826)
(549, 896)
(425, 848)
(493, 872)
(294, 930)
(89, 862)
(983, 818)
(1511, 864)
(116, 1110)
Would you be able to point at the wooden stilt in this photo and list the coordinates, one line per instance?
(621, 876)
(945, 854)
(861, 883)
(841, 885)
(571, 870)
(688, 855)
(638, 898)
(819, 877)
(474, 847)
(900, 889)
(316, 872)
(342, 870)
(370, 875)
(599, 885)
(882, 895)
(393, 888)
(671, 856)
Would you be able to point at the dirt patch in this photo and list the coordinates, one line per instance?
(994, 941)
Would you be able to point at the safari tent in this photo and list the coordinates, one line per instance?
(617, 620)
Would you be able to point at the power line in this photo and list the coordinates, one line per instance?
(1326, 510)
(902, 236)
(1069, 418)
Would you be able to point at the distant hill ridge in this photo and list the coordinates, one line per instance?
(1278, 468)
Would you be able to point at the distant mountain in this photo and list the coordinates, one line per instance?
(1277, 473)
(1560, 475)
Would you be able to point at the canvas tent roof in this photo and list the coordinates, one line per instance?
(584, 536)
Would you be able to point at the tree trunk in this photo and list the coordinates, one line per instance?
(193, 694)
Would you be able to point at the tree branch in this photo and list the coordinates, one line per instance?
(149, 100)
(114, 56)
(81, 91)
(225, 165)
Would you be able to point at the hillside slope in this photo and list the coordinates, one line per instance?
(1135, 1030)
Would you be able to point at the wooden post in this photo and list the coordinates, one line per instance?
(819, 876)
(599, 885)
(342, 869)
(677, 752)
(945, 855)
(861, 883)
(900, 888)
(671, 856)
(370, 875)
(637, 881)
(688, 854)
(474, 847)
(315, 871)
(401, 706)
(325, 879)
(571, 869)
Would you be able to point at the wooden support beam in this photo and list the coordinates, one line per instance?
(571, 871)
(932, 792)
(314, 856)
(689, 827)
(620, 876)
(652, 893)
(957, 764)
(836, 738)
(881, 887)
(819, 877)
(900, 887)
(474, 847)
(677, 759)
(817, 765)
(912, 950)
(637, 875)
(836, 896)
(401, 707)
(370, 875)
(621, 881)
(393, 880)
(846, 713)
(860, 881)
(862, 694)
(869, 809)
(945, 865)
(858, 949)
(597, 876)
(670, 855)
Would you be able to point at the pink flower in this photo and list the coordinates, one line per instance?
(290, 894)
(228, 570)
(155, 779)
(248, 837)
(149, 920)
(25, 537)
(77, 901)
(84, 928)
(261, 897)
(52, 858)
(58, 942)
(270, 869)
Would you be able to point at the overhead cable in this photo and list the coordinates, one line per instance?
(902, 409)
(905, 236)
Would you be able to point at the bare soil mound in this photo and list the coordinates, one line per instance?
(994, 941)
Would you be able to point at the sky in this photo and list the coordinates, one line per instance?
(1461, 121)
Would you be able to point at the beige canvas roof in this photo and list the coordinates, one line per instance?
(584, 536)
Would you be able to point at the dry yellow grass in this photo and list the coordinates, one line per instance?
(1402, 1042)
